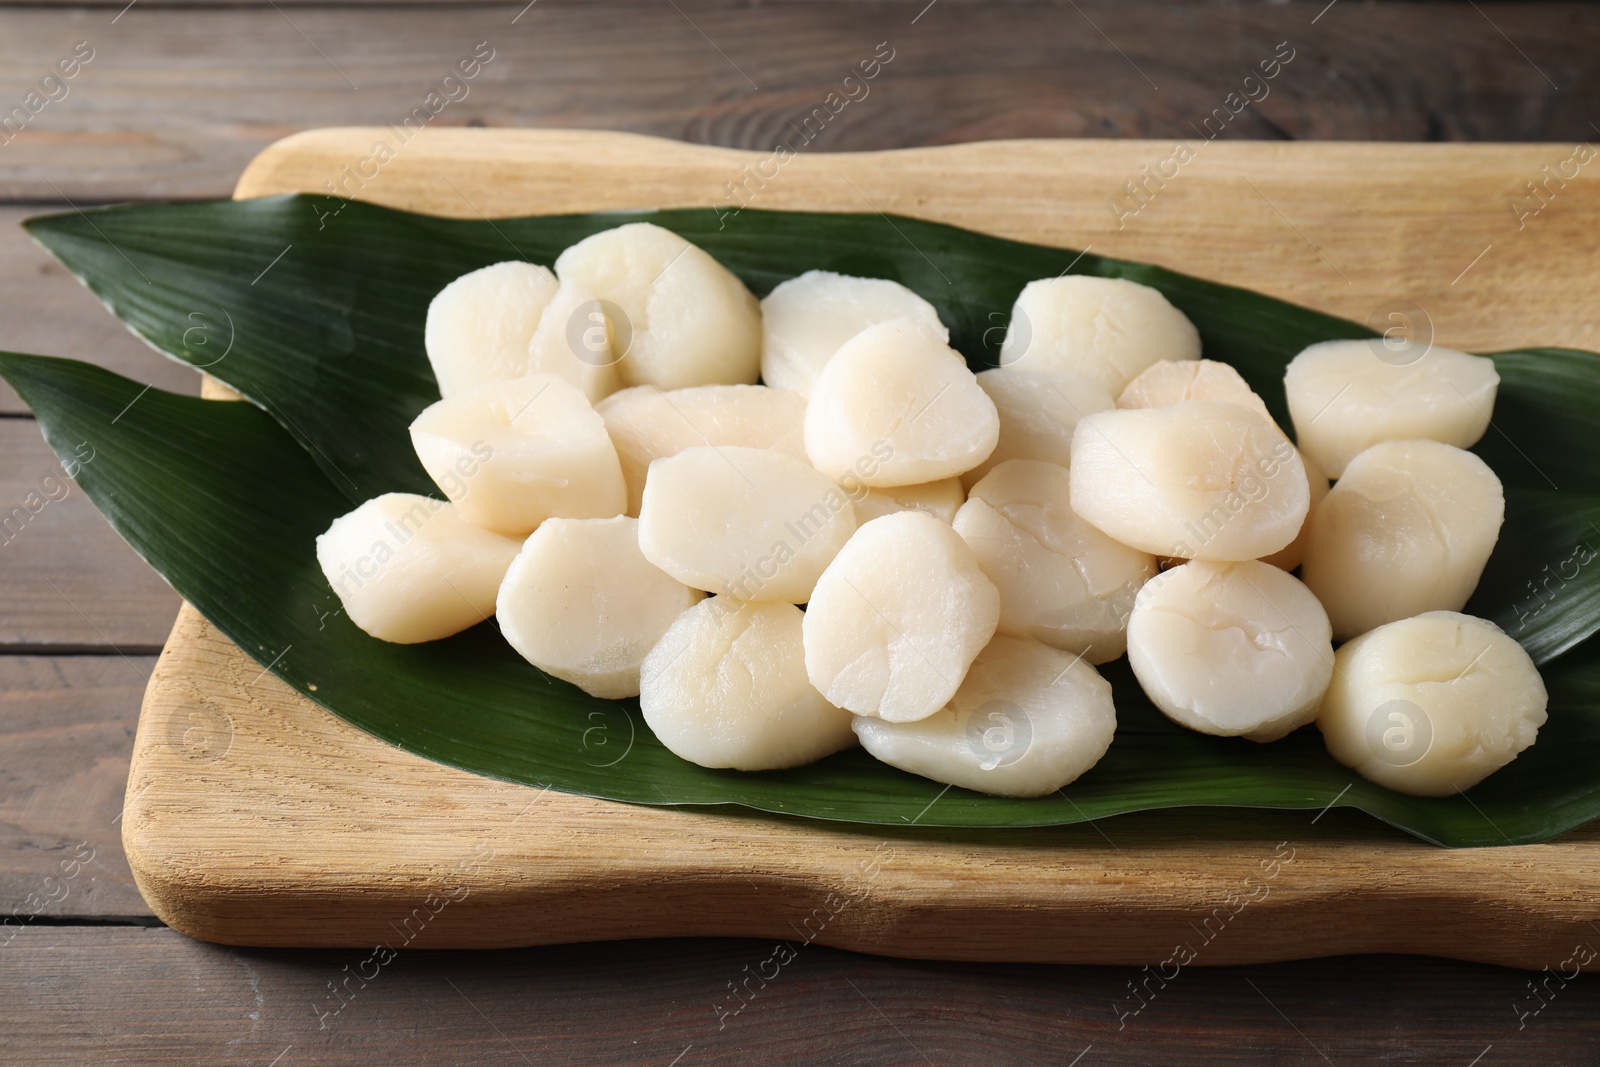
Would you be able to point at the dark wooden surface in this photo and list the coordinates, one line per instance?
(175, 101)
(116, 994)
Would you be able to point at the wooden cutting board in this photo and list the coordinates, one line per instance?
(255, 817)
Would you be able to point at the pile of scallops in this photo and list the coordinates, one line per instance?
(794, 525)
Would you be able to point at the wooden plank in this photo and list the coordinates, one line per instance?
(174, 107)
(70, 581)
(1346, 229)
(152, 996)
(305, 831)
(44, 309)
(66, 725)
(257, 818)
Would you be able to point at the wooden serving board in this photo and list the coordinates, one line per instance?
(255, 817)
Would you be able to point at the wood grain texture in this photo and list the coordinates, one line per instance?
(285, 826)
(1342, 228)
(174, 106)
(77, 996)
(254, 817)
(44, 309)
(70, 581)
(89, 995)
(66, 726)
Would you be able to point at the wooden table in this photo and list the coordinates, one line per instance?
(174, 101)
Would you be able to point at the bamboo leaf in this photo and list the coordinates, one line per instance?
(318, 321)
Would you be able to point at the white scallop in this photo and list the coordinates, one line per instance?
(898, 406)
(479, 326)
(1234, 649)
(1290, 555)
(511, 454)
(647, 424)
(805, 319)
(897, 618)
(573, 341)
(726, 687)
(1408, 529)
(1174, 381)
(1027, 720)
(1345, 396)
(582, 603)
(1200, 479)
(1038, 412)
(689, 319)
(1433, 704)
(407, 568)
(1106, 329)
(1061, 581)
(746, 522)
(940, 499)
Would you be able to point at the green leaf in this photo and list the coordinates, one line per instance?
(317, 318)
(1546, 421)
(1537, 586)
